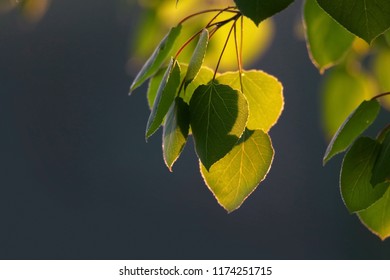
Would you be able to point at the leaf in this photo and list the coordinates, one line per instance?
(197, 57)
(157, 58)
(327, 41)
(218, 115)
(175, 131)
(381, 170)
(356, 189)
(233, 178)
(356, 123)
(377, 217)
(165, 95)
(204, 76)
(153, 86)
(259, 10)
(366, 19)
(264, 94)
(342, 93)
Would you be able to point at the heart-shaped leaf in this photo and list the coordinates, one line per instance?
(356, 189)
(264, 94)
(218, 117)
(366, 19)
(233, 178)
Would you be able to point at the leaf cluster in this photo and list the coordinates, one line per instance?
(229, 114)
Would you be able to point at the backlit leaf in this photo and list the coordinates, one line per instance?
(356, 123)
(377, 217)
(157, 58)
(327, 41)
(218, 117)
(197, 57)
(233, 178)
(364, 18)
(153, 86)
(175, 131)
(259, 10)
(381, 170)
(165, 95)
(356, 189)
(264, 94)
(204, 76)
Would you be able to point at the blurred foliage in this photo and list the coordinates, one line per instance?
(31, 11)
(158, 16)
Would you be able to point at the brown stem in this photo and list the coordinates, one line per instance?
(227, 9)
(223, 49)
(380, 95)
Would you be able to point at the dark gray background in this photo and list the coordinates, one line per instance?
(77, 179)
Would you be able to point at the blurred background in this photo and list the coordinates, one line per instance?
(78, 180)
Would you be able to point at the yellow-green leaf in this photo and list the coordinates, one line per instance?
(264, 94)
(233, 178)
(218, 117)
(377, 217)
(197, 57)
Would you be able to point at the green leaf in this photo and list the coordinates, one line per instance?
(377, 217)
(342, 93)
(175, 131)
(364, 18)
(327, 41)
(233, 178)
(259, 10)
(153, 86)
(381, 171)
(204, 76)
(197, 57)
(264, 94)
(158, 57)
(357, 122)
(165, 95)
(218, 117)
(356, 189)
